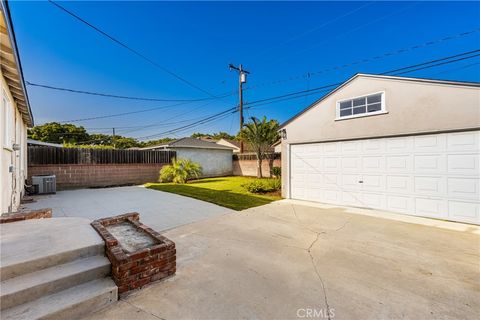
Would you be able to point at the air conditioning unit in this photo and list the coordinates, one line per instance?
(46, 183)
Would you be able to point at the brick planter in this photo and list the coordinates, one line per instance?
(138, 254)
(27, 215)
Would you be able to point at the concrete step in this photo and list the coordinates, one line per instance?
(32, 245)
(34, 285)
(71, 303)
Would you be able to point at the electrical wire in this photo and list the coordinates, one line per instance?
(122, 44)
(366, 60)
(40, 85)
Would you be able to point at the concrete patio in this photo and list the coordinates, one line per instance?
(159, 210)
(288, 260)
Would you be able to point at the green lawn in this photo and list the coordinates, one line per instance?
(225, 191)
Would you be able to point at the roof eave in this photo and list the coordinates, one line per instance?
(8, 20)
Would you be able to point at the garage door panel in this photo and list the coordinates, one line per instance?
(351, 147)
(352, 198)
(350, 181)
(403, 204)
(373, 164)
(464, 188)
(434, 186)
(373, 182)
(331, 196)
(331, 164)
(467, 164)
(374, 200)
(399, 145)
(463, 141)
(430, 163)
(434, 175)
(436, 208)
(399, 163)
(331, 180)
(430, 143)
(351, 164)
(464, 211)
(331, 148)
(373, 146)
(399, 184)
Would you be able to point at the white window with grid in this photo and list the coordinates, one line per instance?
(367, 105)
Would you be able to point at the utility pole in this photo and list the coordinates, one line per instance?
(242, 78)
(113, 137)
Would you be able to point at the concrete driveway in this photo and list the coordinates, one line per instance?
(159, 210)
(287, 260)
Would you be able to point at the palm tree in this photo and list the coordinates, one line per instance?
(260, 135)
(180, 171)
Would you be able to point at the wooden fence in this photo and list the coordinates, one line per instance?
(38, 155)
(252, 156)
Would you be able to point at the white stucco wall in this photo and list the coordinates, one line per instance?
(11, 183)
(214, 162)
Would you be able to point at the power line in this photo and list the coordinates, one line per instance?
(122, 44)
(189, 126)
(123, 113)
(293, 95)
(424, 64)
(106, 94)
(366, 60)
(297, 94)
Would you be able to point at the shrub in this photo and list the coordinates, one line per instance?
(180, 171)
(263, 185)
(276, 172)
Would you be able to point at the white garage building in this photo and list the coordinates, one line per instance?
(405, 145)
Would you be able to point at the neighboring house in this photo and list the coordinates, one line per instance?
(235, 145)
(216, 160)
(15, 117)
(36, 143)
(405, 145)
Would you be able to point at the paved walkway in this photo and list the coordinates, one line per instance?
(287, 260)
(159, 210)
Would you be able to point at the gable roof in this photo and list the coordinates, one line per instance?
(232, 142)
(11, 66)
(190, 143)
(366, 75)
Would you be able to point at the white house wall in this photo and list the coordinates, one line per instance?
(12, 183)
(214, 162)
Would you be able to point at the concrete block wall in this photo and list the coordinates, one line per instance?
(98, 175)
(249, 167)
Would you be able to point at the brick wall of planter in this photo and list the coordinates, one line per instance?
(98, 175)
(27, 215)
(134, 270)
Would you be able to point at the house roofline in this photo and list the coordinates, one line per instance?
(8, 20)
(378, 76)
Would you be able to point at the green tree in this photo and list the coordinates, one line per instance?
(58, 133)
(214, 136)
(260, 135)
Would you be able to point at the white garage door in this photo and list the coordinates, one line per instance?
(426, 175)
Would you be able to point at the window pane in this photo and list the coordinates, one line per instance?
(359, 110)
(374, 98)
(374, 107)
(345, 112)
(359, 102)
(346, 104)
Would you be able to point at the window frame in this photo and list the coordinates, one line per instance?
(383, 109)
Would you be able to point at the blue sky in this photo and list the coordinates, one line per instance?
(273, 40)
